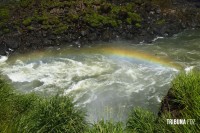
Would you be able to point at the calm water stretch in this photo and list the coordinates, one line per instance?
(107, 80)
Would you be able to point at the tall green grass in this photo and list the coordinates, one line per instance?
(186, 90)
(55, 115)
(30, 113)
(12, 105)
(106, 127)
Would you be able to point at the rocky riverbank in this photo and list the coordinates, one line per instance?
(33, 24)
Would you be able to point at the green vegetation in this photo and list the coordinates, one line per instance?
(138, 25)
(4, 13)
(186, 90)
(106, 127)
(133, 17)
(27, 21)
(61, 28)
(25, 3)
(54, 115)
(141, 121)
(96, 20)
(58, 16)
(33, 113)
(12, 105)
(4, 17)
(160, 22)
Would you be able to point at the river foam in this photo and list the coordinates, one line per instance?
(3, 59)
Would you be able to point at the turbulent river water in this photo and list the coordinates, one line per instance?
(108, 79)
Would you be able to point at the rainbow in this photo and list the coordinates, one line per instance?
(121, 52)
(109, 51)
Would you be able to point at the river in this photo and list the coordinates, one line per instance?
(107, 79)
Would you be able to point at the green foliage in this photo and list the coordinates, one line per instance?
(133, 17)
(30, 113)
(141, 121)
(4, 16)
(53, 20)
(4, 13)
(30, 28)
(57, 114)
(52, 15)
(130, 6)
(73, 16)
(42, 19)
(62, 28)
(6, 30)
(186, 90)
(106, 127)
(160, 22)
(115, 10)
(25, 3)
(12, 105)
(27, 21)
(138, 25)
(97, 20)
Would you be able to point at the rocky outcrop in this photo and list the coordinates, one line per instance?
(34, 24)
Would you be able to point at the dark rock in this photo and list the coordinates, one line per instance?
(106, 35)
(158, 11)
(12, 42)
(92, 36)
(148, 38)
(84, 32)
(129, 27)
(44, 33)
(52, 37)
(129, 36)
(47, 42)
(3, 48)
(77, 44)
(160, 30)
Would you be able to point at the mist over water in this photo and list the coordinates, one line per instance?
(107, 86)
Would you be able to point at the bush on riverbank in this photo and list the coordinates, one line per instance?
(32, 113)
